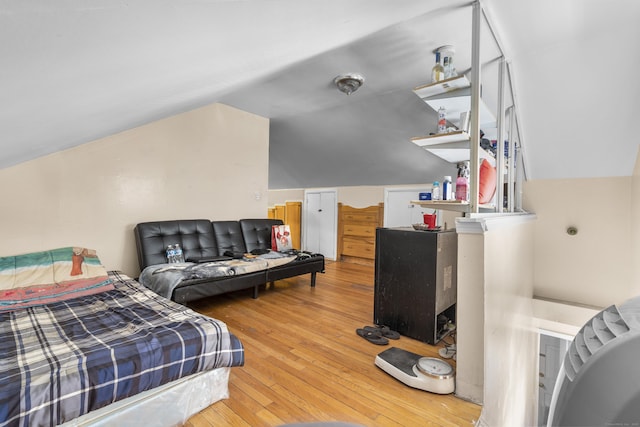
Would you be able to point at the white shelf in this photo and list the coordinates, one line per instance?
(444, 86)
(450, 205)
(452, 147)
(442, 139)
(455, 155)
(452, 155)
(459, 102)
(454, 95)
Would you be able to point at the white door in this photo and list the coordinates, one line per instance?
(320, 222)
(398, 209)
(552, 352)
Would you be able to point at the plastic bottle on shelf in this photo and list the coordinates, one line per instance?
(449, 69)
(437, 72)
(447, 193)
(442, 120)
(462, 182)
(171, 254)
(435, 191)
(447, 52)
(179, 254)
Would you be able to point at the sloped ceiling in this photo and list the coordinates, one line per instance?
(76, 71)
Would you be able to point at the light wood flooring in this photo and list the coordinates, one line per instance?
(304, 361)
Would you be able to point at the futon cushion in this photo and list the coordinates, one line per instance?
(257, 232)
(195, 237)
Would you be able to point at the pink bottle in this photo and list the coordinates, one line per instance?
(462, 182)
(462, 189)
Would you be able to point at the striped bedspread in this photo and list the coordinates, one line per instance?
(64, 359)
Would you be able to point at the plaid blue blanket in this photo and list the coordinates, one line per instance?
(61, 360)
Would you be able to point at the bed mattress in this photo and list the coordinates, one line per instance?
(61, 360)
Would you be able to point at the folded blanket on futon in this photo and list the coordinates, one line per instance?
(164, 278)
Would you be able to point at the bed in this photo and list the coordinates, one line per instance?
(101, 349)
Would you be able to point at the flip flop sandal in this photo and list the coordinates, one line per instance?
(374, 337)
(385, 331)
(447, 352)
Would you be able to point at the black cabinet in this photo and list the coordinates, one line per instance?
(416, 282)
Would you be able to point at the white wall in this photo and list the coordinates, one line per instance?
(596, 266)
(207, 163)
(497, 347)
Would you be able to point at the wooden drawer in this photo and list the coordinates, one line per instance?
(359, 247)
(359, 230)
(360, 217)
(357, 233)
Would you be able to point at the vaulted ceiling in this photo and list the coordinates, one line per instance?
(76, 71)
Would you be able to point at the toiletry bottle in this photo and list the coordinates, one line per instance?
(462, 182)
(442, 120)
(437, 72)
(447, 194)
(449, 69)
(435, 191)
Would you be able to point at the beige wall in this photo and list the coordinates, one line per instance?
(354, 196)
(279, 197)
(185, 166)
(594, 267)
(634, 286)
(470, 318)
(510, 346)
(497, 347)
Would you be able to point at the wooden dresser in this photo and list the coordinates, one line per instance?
(357, 233)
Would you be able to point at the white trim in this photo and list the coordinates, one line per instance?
(560, 335)
(482, 222)
(559, 318)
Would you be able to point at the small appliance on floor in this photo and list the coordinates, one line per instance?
(424, 373)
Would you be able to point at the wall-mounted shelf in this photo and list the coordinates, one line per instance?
(463, 94)
(454, 95)
(452, 147)
(441, 139)
(450, 205)
(444, 86)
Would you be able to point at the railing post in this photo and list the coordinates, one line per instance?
(500, 146)
(475, 108)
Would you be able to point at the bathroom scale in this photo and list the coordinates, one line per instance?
(425, 373)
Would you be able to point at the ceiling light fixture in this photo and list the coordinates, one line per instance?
(349, 83)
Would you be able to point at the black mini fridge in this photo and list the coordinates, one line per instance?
(416, 282)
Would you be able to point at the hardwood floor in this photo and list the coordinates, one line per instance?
(304, 362)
